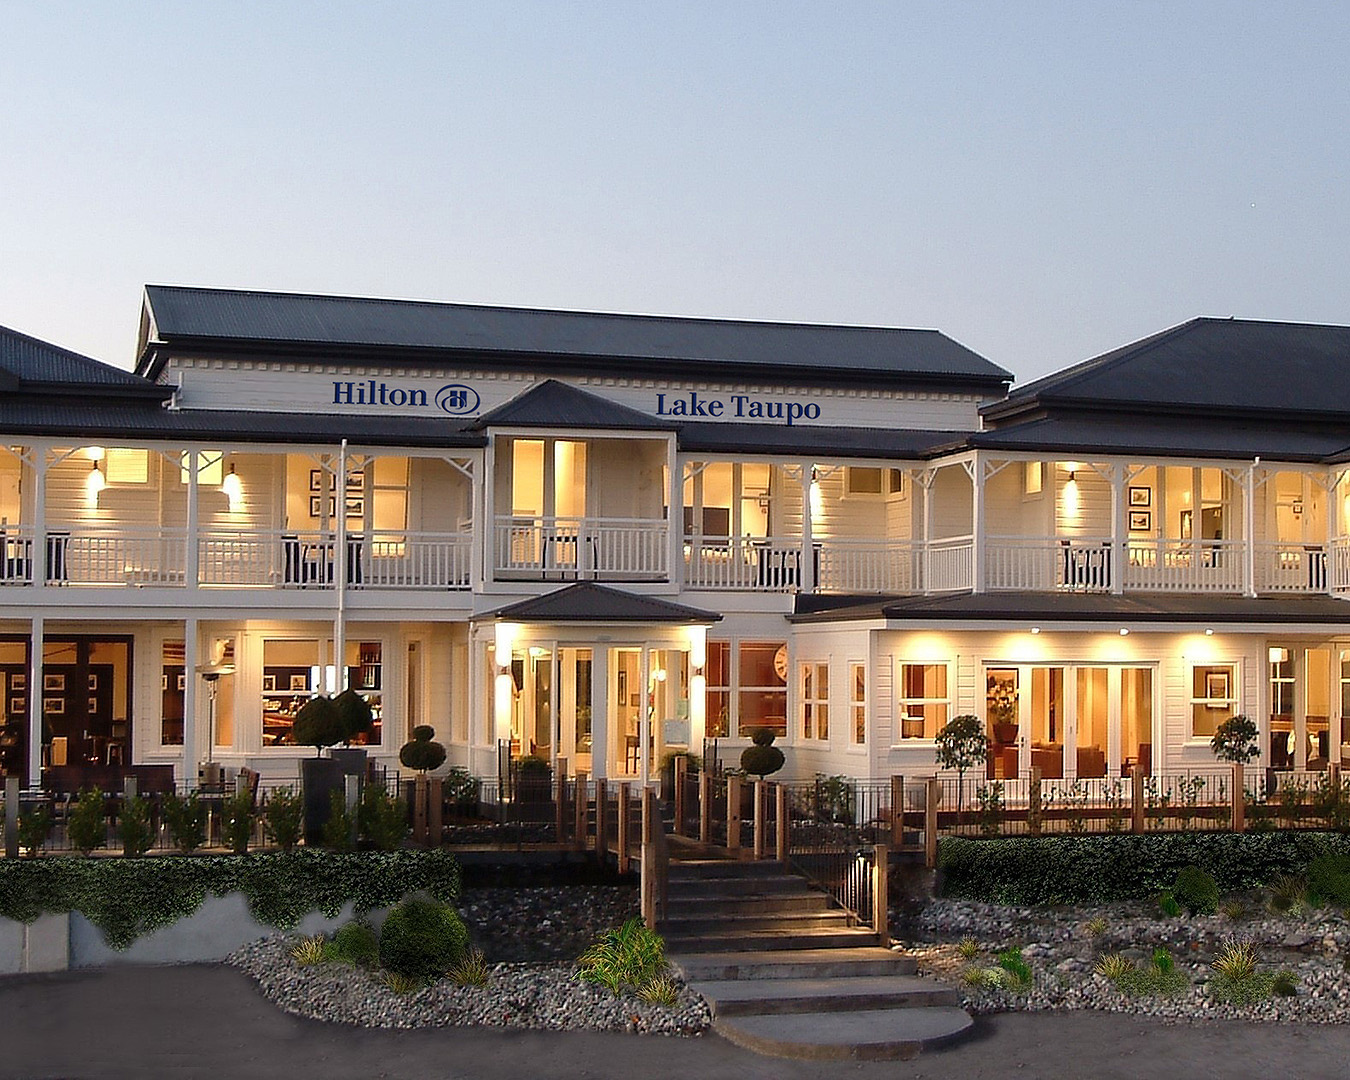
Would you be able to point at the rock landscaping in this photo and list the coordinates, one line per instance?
(531, 940)
(1065, 950)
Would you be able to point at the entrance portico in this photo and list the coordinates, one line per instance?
(598, 680)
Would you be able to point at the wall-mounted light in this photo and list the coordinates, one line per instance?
(1124, 631)
(1278, 656)
(94, 483)
(233, 489)
(817, 499)
(1035, 629)
(1209, 631)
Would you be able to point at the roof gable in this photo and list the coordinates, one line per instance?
(552, 404)
(588, 602)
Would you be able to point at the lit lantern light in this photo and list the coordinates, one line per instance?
(95, 483)
(817, 499)
(233, 489)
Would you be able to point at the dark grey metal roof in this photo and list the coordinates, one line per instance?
(1050, 607)
(552, 404)
(26, 361)
(588, 602)
(267, 319)
(1210, 365)
(1085, 434)
(811, 441)
(93, 417)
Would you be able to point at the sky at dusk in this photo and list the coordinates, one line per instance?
(1041, 181)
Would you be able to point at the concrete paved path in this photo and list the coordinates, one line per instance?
(210, 1022)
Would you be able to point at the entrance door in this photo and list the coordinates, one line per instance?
(1301, 713)
(626, 695)
(574, 709)
(1136, 721)
(1002, 710)
(1048, 722)
(1092, 743)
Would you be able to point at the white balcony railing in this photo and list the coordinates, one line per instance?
(83, 555)
(1286, 568)
(1338, 565)
(869, 566)
(1202, 566)
(948, 565)
(382, 559)
(1047, 564)
(754, 563)
(603, 549)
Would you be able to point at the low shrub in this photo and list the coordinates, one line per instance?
(1159, 979)
(1097, 926)
(1196, 890)
(185, 818)
(662, 990)
(1285, 984)
(1015, 966)
(422, 938)
(87, 826)
(339, 828)
(1329, 880)
(381, 819)
(354, 943)
(632, 955)
(283, 815)
(1133, 866)
(238, 817)
(35, 829)
(1288, 893)
(1167, 904)
(133, 826)
(126, 898)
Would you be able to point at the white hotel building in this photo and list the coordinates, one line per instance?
(603, 537)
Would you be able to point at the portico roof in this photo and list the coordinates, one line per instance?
(554, 404)
(588, 602)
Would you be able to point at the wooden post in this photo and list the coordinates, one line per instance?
(601, 806)
(932, 792)
(583, 805)
(704, 807)
(12, 784)
(1239, 799)
(734, 813)
(780, 832)
(435, 812)
(648, 879)
(880, 900)
(1034, 801)
(1137, 800)
(420, 788)
(761, 804)
(681, 770)
(897, 812)
(624, 814)
(560, 808)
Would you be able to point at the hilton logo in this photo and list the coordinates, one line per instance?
(455, 399)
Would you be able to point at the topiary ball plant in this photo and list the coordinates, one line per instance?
(763, 757)
(355, 716)
(420, 752)
(318, 724)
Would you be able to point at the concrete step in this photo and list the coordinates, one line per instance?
(701, 869)
(747, 904)
(771, 940)
(760, 997)
(733, 922)
(767, 964)
(759, 885)
(866, 1035)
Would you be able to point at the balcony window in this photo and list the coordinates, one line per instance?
(127, 466)
(862, 480)
(172, 685)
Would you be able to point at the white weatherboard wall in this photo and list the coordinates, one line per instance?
(234, 384)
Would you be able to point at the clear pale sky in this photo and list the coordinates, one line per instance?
(1041, 181)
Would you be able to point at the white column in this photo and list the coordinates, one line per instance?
(977, 525)
(1118, 527)
(485, 519)
(644, 715)
(35, 699)
(38, 560)
(191, 658)
(192, 553)
(926, 563)
(807, 583)
(1248, 531)
(600, 711)
(675, 517)
(341, 569)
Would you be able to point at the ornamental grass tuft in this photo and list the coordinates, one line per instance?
(632, 955)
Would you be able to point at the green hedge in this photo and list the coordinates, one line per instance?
(1102, 869)
(126, 898)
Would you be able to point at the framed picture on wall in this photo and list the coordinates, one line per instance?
(356, 506)
(1216, 685)
(18, 681)
(53, 682)
(1141, 520)
(93, 706)
(299, 682)
(356, 481)
(54, 706)
(315, 479)
(93, 682)
(1141, 496)
(182, 682)
(17, 705)
(269, 682)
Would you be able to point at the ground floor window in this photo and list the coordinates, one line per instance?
(172, 691)
(924, 700)
(815, 681)
(718, 674)
(857, 699)
(295, 670)
(1214, 697)
(762, 699)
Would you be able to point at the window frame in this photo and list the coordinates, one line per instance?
(813, 706)
(857, 706)
(898, 738)
(1234, 666)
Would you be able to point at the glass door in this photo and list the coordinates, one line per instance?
(1092, 742)
(625, 695)
(1316, 741)
(1136, 720)
(1002, 709)
(1048, 721)
(574, 709)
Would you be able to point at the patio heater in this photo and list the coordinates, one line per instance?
(211, 772)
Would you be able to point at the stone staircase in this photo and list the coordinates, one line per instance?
(784, 972)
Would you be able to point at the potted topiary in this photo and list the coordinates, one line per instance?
(420, 753)
(354, 718)
(318, 724)
(763, 757)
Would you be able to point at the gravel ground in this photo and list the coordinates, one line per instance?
(532, 936)
(1062, 951)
